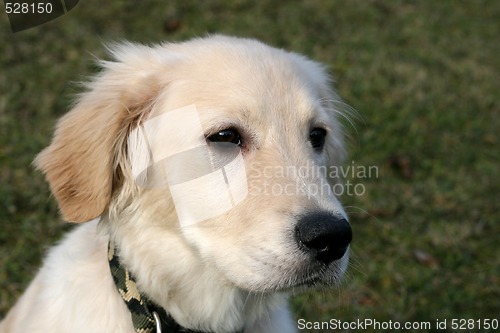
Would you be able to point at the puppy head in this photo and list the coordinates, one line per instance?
(277, 115)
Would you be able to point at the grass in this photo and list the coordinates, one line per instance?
(423, 77)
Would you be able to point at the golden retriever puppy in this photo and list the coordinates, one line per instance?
(201, 175)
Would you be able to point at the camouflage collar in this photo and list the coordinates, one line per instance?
(147, 317)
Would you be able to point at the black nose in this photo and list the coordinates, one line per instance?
(324, 235)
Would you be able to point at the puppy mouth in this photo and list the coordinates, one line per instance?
(295, 285)
(309, 282)
(292, 273)
(318, 277)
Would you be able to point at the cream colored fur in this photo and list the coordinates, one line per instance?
(224, 274)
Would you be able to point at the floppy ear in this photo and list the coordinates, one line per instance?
(81, 163)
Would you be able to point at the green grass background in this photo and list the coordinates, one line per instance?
(424, 78)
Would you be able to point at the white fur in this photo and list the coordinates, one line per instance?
(224, 274)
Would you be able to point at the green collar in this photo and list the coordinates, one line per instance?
(147, 317)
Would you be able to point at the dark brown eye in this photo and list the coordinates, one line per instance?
(229, 135)
(317, 138)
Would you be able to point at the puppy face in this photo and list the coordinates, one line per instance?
(270, 111)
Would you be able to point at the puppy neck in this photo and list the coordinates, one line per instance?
(171, 274)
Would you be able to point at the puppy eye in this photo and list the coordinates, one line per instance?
(317, 138)
(227, 136)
